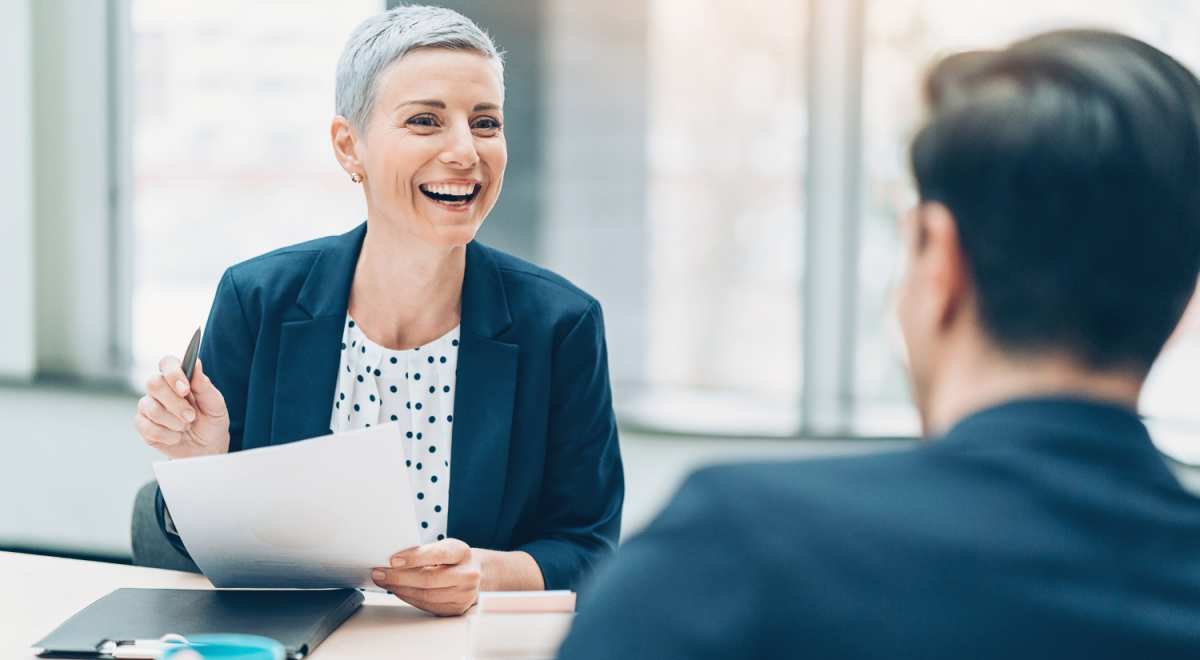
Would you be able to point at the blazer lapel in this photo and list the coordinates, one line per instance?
(483, 404)
(310, 345)
(310, 352)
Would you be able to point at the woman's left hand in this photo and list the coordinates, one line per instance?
(441, 577)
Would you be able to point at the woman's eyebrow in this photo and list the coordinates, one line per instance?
(429, 102)
(442, 106)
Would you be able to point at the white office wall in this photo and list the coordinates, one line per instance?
(17, 349)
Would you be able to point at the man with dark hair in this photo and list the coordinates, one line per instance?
(1054, 248)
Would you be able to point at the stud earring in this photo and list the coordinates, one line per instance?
(356, 177)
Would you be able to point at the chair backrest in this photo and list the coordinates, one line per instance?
(150, 545)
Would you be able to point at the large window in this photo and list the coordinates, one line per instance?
(902, 39)
(232, 156)
(725, 149)
(232, 159)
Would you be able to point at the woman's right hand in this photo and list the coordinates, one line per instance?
(182, 419)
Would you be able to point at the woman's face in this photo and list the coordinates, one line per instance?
(434, 153)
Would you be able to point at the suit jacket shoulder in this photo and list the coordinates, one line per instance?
(532, 280)
(536, 276)
(539, 296)
(776, 515)
(276, 277)
(1041, 528)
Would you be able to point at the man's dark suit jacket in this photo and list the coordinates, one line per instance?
(535, 464)
(1037, 529)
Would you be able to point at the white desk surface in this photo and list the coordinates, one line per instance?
(38, 593)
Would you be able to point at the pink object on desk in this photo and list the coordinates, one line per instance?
(527, 601)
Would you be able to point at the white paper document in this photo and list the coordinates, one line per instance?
(313, 514)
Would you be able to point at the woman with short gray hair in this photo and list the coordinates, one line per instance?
(494, 370)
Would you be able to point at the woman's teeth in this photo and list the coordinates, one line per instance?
(457, 189)
(449, 193)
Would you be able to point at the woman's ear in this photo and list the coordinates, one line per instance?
(346, 146)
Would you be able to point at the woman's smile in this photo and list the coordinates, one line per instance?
(456, 195)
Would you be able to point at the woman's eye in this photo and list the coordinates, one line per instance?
(426, 121)
(485, 124)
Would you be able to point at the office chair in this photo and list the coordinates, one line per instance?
(150, 546)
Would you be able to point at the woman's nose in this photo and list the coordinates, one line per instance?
(460, 147)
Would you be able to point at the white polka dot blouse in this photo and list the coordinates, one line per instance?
(415, 389)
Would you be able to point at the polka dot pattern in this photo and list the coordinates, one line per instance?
(388, 393)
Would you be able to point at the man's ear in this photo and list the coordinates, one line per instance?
(947, 271)
(346, 146)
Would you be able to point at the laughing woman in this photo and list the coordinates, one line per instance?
(494, 369)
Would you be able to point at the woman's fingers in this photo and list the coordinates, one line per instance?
(208, 398)
(172, 371)
(159, 389)
(441, 609)
(441, 577)
(446, 551)
(151, 409)
(420, 578)
(448, 589)
(182, 419)
(155, 435)
(441, 595)
(464, 575)
(445, 601)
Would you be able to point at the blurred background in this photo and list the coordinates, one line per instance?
(725, 176)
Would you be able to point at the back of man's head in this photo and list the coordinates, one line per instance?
(1071, 164)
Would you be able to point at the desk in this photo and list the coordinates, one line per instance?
(38, 593)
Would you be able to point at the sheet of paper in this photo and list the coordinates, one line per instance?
(313, 514)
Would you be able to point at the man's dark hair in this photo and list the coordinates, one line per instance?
(1071, 163)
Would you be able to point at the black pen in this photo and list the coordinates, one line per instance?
(189, 358)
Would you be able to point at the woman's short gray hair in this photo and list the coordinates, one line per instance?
(385, 38)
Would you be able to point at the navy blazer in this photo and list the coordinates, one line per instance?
(535, 462)
(1036, 529)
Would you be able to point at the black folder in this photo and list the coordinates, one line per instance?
(300, 620)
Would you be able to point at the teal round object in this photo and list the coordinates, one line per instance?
(228, 647)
